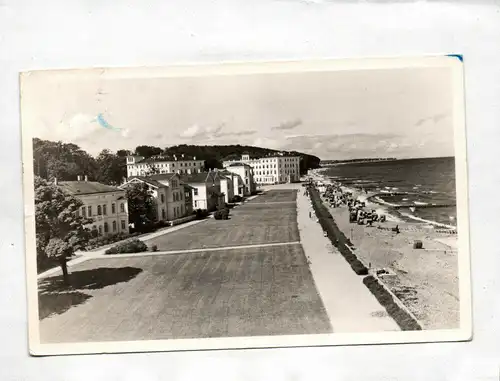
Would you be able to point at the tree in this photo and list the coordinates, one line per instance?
(141, 207)
(111, 168)
(148, 151)
(60, 229)
(122, 152)
(62, 161)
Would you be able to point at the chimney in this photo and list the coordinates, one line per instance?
(55, 180)
(86, 178)
(79, 178)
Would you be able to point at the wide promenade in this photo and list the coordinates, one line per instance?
(245, 276)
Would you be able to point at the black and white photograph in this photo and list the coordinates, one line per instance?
(246, 205)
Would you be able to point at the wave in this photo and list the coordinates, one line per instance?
(380, 201)
(420, 203)
(435, 223)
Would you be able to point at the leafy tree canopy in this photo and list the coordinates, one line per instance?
(141, 209)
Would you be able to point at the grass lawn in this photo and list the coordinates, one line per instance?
(254, 291)
(278, 195)
(248, 225)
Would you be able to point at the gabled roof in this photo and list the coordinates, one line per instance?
(162, 176)
(86, 187)
(146, 180)
(196, 178)
(238, 165)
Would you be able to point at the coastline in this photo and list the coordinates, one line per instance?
(425, 280)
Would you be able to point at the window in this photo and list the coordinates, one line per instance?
(180, 196)
(114, 226)
(113, 208)
(123, 225)
(195, 191)
(174, 213)
(83, 211)
(182, 209)
(162, 198)
(106, 228)
(99, 211)
(77, 213)
(100, 230)
(122, 207)
(90, 211)
(104, 209)
(196, 204)
(163, 213)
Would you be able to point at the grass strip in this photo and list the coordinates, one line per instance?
(385, 298)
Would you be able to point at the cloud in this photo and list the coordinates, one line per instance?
(288, 125)
(199, 133)
(434, 118)
(348, 145)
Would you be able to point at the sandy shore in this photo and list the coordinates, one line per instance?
(425, 280)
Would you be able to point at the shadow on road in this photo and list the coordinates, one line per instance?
(88, 279)
(58, 303)
(55, 297)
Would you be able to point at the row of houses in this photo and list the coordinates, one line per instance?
(179, 186)
(176, 196)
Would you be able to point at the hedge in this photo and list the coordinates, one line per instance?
(108, 239)
(131, 246)
(403, 319)
(336, 236)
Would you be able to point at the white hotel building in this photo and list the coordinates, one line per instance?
(271, 170)
(140, 166)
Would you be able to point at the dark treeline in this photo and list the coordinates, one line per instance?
(67, 161)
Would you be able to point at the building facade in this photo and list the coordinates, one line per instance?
(206, 191)
(140, 166)
(277, 169)
(227, 187)
(245, 171)
(168, 194)
(106, 205)
(236, 182)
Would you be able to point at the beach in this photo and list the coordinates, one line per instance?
(425, 280)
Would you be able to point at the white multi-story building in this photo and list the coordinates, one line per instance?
(140, 166)
(246, 173)
(206, 190)
(105, 205)
(168, 194)
(233, 180)
(271, 170)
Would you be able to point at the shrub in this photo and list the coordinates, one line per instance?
(154, 248)
(201, 213)
(222, 214)
(107, 239)
(237, 198)
(131, 246)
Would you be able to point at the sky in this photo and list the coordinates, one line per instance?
(402, 113)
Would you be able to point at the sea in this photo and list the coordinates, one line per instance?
(411, 190)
